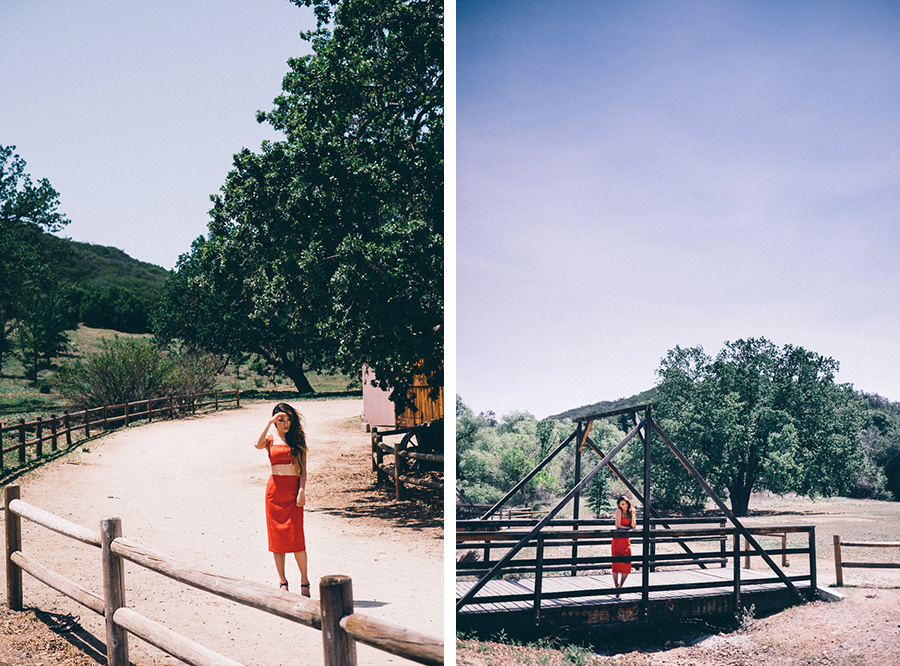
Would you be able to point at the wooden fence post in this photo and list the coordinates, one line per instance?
(217, 401)
(39, 434)
(21, 441)
(87, 423)
(126, 414)
(13, 543)
(68, 429)
(54, 444)
(237, 397)
(838, 563)
(113, 592)
(336, 594)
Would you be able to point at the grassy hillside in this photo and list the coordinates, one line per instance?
(22, 399)
(607, 405)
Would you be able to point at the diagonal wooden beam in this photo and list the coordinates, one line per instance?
(734, 520)
(528, 477)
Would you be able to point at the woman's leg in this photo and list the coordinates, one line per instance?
(304, 578)
(279, 567)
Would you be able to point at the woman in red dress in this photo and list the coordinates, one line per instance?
(621, 546)
(284, 440)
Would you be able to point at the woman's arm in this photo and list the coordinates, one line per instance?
(263, 440)
(301, 491)
(619, 525)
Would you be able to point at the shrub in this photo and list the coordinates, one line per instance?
(126, 370)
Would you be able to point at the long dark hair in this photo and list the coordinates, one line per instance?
(629, 511)
(295, 437)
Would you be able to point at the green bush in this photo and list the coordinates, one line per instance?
(127, 370)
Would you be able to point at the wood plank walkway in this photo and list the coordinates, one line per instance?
(572, 602)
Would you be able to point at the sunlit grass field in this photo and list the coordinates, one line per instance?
(22, 399)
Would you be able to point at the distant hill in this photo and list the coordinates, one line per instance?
(110, 288)
(607, 406)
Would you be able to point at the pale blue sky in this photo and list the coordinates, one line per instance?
(632, 176)
(133, 110)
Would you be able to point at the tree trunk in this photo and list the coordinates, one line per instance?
(295, 373)
(740, 499)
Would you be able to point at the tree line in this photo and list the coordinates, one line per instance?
(754, 417)
(324, 250)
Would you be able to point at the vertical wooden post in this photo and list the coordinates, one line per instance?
(21, 441)
(217, 401)
(645, 555)
(747, 556)
(237, 397)
(580, 437)
(54, 443)
(39, 434)
(87, 423)
(149, 410)
(538, 579)
(737, 572)
(375, 457)
(13, 544)
(814, 580)
(126, 414)
(336, 594)
(68, 428)
(838, 563)
(113, 592)
(399, 447)
(104, 418)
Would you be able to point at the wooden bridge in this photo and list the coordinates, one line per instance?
(520, 574)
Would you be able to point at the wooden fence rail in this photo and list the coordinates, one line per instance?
(334, 616)
(840, 565)
(35, 434)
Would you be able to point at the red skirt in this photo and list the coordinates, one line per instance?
(621, 548)
(284, 519)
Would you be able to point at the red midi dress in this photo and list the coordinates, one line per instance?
(621, 547)
(284, 519)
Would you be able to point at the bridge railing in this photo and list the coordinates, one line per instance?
(571, 547)
(334, 615)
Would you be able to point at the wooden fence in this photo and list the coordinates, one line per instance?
(840, 565)
(334, 616)
(55, 430)
(417, 458)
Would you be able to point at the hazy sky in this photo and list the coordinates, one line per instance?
(632, 176)
(133, 110)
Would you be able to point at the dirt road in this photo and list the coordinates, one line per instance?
(193, 489)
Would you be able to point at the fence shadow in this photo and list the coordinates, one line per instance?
(67, 627)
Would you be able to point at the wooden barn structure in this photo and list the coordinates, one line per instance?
(518, 574)
(407, 444)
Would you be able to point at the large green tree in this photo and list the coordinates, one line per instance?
(32, 301)
(757, 417)
(331, 241)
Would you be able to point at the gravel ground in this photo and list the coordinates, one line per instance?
(193, 489)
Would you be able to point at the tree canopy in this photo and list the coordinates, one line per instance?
(325, 249)
(33, 303)
(757, 417)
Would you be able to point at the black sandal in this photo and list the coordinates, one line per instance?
(284, 585)
(306, 593)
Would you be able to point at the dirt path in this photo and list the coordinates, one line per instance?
(193, 489)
